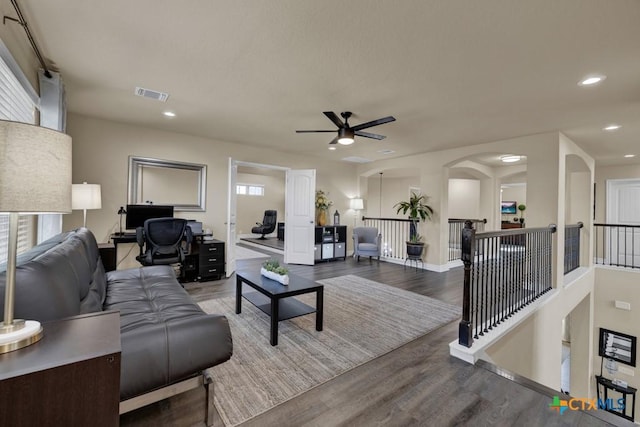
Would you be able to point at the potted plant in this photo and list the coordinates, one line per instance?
(418, 211)
(415, 246)
(322, 205)
(522, 208)
(271, 269)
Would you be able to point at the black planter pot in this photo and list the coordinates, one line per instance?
(414, 250)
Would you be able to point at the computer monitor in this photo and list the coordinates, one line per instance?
(138, 214)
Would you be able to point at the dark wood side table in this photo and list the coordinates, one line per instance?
(71, 377)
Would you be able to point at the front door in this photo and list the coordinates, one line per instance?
(299, 242)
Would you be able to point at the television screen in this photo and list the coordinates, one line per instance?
(138, 214)
(508, 207)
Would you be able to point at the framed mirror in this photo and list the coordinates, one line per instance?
(166, 182)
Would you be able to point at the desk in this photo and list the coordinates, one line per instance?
(118, 238)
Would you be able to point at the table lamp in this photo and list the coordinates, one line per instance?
(121, 211)
(86, 196)
(357, 204)
(35, 177)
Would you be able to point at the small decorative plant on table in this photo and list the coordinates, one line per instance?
(271, 269)
(522, 208)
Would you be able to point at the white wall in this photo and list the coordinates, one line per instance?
(100, 155)
(464, 198)
(617, 284)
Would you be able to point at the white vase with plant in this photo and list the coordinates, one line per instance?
(271, 269)
(322, 206)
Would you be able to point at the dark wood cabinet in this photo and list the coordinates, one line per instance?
(330, 243)
(209, 256)
(71, 377)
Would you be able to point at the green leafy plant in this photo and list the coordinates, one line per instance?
(274, 266)
(416, 206)
(322, 202)
(416, 238)
(521, 208)
(418, 210)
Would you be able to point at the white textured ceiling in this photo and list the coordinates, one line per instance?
(453, 73)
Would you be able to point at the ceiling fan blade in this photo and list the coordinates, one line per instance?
(310, 131)
(374, 123)
(334, 118)
(369, 135)
(335, 140)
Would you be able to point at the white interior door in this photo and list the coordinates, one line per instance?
(299, 242)
(231, 218)
(623, 207)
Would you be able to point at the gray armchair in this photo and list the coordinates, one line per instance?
(366, 242)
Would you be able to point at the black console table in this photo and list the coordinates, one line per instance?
(607, 386)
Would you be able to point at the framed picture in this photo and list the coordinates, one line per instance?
(617, 346)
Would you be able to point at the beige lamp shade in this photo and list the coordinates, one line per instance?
(356, 204)
(35, 169)
(86, 196)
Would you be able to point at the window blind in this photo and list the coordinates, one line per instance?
(15, 105)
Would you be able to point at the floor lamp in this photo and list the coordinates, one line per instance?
(86, 196)
(35, 177)
(357, 204)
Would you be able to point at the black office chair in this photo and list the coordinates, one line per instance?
(162, 240)
(268, 224)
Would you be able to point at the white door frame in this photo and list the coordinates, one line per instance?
(232, 206)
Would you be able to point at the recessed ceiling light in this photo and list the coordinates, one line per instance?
(592, 80)
(386, 151)
(169, 113)
(628, 156)
(612, 127)
(332, 148)
(510, 158)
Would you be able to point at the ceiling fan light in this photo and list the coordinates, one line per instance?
(345, 136)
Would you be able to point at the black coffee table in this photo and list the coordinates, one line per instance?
(275, 299)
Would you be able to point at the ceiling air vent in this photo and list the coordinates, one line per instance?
(354, 159)
(152, 94)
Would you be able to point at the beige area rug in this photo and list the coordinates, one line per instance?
(363, 319)
(244, 253)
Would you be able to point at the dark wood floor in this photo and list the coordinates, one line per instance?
(418, 384)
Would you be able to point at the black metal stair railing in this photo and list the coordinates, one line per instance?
(504, 271)
(572, 247)
(617, 245)
(455, 235)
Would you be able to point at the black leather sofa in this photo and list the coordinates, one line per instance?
(166, 338)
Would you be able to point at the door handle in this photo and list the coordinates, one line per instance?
(310, 222)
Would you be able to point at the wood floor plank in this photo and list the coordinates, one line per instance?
(418, 384)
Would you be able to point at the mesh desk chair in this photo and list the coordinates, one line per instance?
(161, 239)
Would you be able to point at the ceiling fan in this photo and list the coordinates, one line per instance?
(347, 133)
